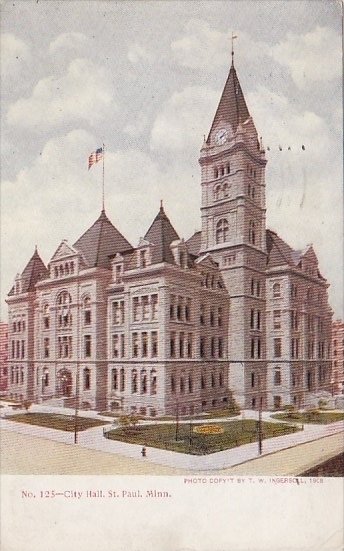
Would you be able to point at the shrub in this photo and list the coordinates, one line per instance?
(27, 404)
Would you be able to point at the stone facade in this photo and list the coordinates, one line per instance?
(338, 357)
(174, 326)
(3, 357)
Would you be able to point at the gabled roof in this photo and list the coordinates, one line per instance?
(279, 252)
(64, 250)
(194, 243)
(101, 241)
(34, 271)
(232, 107)
(161, 234)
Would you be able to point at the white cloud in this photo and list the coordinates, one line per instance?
(137, 126)
(203, 47)
(84, 92)
(184, 118)
(13, 53)
(67, 41)
(311, 58)
(137, 53)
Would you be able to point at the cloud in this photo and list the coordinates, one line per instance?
(137, 126)
(85, 92)
(183, 119)
(67, 41)
(137, 53)
(14, 52)
(311, 58)
(203, 47)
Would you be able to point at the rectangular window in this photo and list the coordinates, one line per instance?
(17, 349)
(172, 305)
(114, 379)
(122, 311)
(212, 318)
(143, 259)
(188, 310)
(252, 319)
(252, 380)
(258, 348)
(136, 309)
(277, 319)
(13, 349)
(181, 345)
(220, 344)
(122, 345)
(173, 345)
(201, 316)
(180, 309)
(87, 317)
(116, 316)
(154, 344)
(252, 348)
(277, 348)
(135, 345)
(115, 346)
(202, 347)
(46, 347)
(258, 319)
(144, 344)
(219, 317)
(145, 308)
(212, 347)
(87, 346)
(118, 276)
(277, 377)
(154, 306)
(190, 345)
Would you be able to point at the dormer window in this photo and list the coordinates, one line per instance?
(118, 274)
(143, 258)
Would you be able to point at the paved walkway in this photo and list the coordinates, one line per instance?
(93, 439)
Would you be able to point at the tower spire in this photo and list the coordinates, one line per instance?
(234, 36)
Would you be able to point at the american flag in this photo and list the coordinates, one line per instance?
(95, 157)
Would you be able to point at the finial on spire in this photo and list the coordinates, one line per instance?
(161, 206)
(234, 36)
(36, 249)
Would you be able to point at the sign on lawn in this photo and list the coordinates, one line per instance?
(208, 429)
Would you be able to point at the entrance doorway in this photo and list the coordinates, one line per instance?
(64, 383)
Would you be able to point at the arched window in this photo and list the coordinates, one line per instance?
(217, 192)
(87, 379)
(225, 190)
(252, 232)
(87, 310)
(143, 381)
(222, 171)
(216, 173)
(276, 290)
(153, 382)
(67, 268)
(56, 271)
(46, 316)
(134, 381)
(222, 231)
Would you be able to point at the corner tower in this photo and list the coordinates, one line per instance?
(233, 231)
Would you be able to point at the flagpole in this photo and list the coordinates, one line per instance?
(103, 186)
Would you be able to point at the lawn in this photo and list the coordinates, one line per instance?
(315, 417)
(56, 421)
(162, 436)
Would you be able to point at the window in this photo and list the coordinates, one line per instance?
(135, 345)
(221, 379)
(181, 345)
(179, 308)
(143, 381)
(294, 319)
(22, 355)
(293, 290)
(212, 318)
(45, 377)
(259, 348)
(182, 385)
(276, 290)
(203, 381)
(118, 274)
(294, 348)
(252, 232)
(202, 316)
(136, 312)
(277, 319)
(122, 345)
(277, 376)
(87, 346)
(202, 347)
(189, 345)
(114, 379)
(46, 347)
(134, 381)
(46, 317)
(153, 382)
(216, 173)
(172, 304)
(122, 380)
(228, 168)
(212, 380)
(222, 231)
(154, 306)
(115, 346)
(220, 344)
(219, 316)
(173, 384)
(173, 345)
(225, 190)
(87, 311)
(154, 344)
(258, 319)
(212, 347)
(253, 379)
(144, 344)
(145, 308)
(188, 309)
(277, 348)
(118, 312)
(252, 319)
(87, 379)
(252, 348)
(143, 259)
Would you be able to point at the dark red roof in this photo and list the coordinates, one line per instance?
(194, 243)
(34, 271)
(101, 241)
(232, 107)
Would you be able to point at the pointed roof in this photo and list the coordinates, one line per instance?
(279, 252)
(161, 234)
(34, 271)
(101, 241)
(232, 108)
(194, 243)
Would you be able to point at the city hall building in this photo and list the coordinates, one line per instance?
(176, 325)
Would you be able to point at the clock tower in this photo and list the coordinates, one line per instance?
(233, 231)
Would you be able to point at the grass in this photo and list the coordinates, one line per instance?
(214, 414)
(236, 433)
(315, 417)
(56, 421)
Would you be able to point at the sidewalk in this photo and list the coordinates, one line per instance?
(93, 439)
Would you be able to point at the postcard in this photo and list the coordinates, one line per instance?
(172, 335)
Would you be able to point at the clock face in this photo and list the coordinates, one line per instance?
(221, 136)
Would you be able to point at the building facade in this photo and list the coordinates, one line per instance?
(179, 326)
(338, 357)
(3, 357)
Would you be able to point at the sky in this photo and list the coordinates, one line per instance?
(145, 78)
